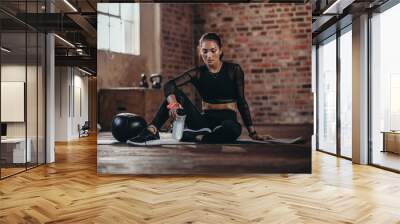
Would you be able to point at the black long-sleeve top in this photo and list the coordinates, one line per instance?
(226, 86)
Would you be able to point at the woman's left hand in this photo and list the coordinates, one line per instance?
(258, 137)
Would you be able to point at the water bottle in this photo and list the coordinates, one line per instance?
(179, 124)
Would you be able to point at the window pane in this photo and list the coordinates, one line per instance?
(116, 35)
(113, 9)
(103, 27)
(102, 7)
(346, 94)
(129, 37)
(31, 99)
(41, 98)
(327, 96)
(128, 11)
(14, 151)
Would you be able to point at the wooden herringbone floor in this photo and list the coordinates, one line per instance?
(70, 191)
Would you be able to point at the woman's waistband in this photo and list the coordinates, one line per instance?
(219, 106)
(226, 113)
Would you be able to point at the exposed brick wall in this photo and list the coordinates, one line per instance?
(177, 39)
(119, 70)
(177, 53)
(272, 43)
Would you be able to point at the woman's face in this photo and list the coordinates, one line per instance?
(210, 53)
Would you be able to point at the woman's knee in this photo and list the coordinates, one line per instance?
(180, 96)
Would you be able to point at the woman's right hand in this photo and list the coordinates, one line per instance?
(173, 112)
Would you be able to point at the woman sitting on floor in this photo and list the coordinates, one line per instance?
(221, 87)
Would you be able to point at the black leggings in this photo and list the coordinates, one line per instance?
(223, 123)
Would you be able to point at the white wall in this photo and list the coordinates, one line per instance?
(61, 103)
(70, 83)
(33, 106)
(79, 117)
(15, 73)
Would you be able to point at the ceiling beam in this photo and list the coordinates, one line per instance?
(84, 61)
(86, 27)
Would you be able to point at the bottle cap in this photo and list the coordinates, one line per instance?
(180, 112)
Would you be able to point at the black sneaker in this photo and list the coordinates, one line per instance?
(143, 137)
(189, 135)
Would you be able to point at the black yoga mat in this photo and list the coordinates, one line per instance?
(170, 141)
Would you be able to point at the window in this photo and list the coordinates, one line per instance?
(118, 26)
(334, 116)
(385, 87)
(346, 92)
